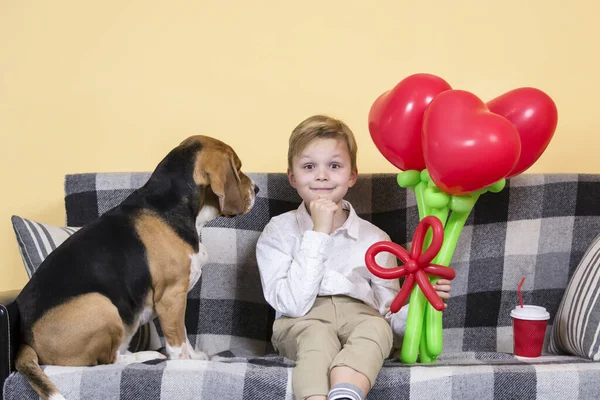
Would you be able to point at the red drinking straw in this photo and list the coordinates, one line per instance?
(519, 292)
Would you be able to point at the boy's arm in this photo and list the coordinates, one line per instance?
(291, 284)
(385, 290)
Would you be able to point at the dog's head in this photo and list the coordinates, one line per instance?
(218, 168)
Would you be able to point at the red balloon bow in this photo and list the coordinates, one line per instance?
(416, 265)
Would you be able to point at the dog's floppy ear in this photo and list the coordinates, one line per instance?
(225, 183)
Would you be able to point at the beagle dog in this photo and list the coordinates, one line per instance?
(137, 261)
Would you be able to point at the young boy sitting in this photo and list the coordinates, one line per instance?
(332, 314)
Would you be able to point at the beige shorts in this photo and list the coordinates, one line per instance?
(337, 331)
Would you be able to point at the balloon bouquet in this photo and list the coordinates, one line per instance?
(452, 148)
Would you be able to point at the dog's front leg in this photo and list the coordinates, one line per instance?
(194, 354)
(171, 315)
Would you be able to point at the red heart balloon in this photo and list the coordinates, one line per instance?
(534, 115)
(466, 146)
(396, 119)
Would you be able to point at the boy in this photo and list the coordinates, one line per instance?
(331, 313)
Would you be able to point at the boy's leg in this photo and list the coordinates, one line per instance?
(312, 342)
(367, 339)
(347, 383)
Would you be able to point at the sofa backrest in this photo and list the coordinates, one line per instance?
(538, 227)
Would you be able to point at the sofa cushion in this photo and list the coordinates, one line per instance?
(577, 322)
(36, 240)
(458, 376)
(538, 227)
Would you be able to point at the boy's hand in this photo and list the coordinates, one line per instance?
(322, 212)
(442, 287)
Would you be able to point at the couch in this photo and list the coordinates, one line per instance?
(539, 227)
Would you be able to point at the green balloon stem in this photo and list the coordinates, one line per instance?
(434, 340)
(424, 356)
(442, 215)
(432, 329)
(414, 327)
(452, 231)
(414, 336)
(419, 190)
(424, 323)
(433, 320)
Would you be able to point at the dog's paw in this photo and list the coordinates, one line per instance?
(186, 352)
(199, 355)
(140, 356)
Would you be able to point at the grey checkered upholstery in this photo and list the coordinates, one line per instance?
(538, 227)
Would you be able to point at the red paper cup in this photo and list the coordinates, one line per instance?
(529, 330)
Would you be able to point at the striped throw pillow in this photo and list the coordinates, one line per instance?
(37, 240)
(576, 328)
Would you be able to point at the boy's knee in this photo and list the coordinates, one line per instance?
(302, 337)
(320, 338)
(386, 335)
(379, 331)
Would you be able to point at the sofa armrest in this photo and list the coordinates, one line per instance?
(9, 332)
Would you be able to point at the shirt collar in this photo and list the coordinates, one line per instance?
(351, 225)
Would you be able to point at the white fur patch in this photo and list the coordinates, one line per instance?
(252, 196)
(146, 315)
(195, 354)
(175, 353)
(206, 214)
(199, 260)
(56, 396)
(185, 352)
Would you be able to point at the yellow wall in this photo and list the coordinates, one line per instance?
(113, 85)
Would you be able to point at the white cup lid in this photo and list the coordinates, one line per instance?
(534, 313)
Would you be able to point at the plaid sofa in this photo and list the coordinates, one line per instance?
(539, 227)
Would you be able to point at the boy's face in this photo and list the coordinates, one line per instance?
(323, 169)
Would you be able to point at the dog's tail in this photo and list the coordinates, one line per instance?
(27, 364)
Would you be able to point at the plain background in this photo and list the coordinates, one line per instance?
(90, 86)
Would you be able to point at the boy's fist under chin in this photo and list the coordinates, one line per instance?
(322, 212)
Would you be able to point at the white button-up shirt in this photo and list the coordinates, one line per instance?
(297, 264)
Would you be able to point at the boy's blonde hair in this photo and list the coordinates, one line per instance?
(321, 127)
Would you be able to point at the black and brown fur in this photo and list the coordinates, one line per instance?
(85, 301)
